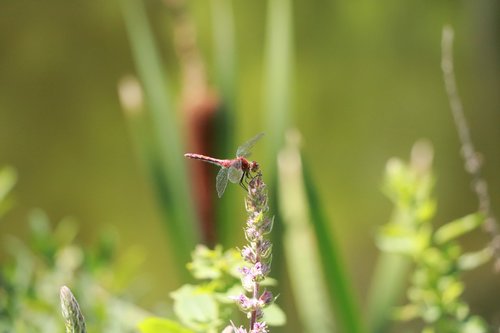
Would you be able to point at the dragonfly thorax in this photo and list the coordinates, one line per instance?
(248, 166)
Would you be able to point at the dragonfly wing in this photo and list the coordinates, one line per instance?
(221, 181)
(235, 172)
(244, 149)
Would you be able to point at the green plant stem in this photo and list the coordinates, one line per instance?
(388, 282)
(181, 222)
(278, 62)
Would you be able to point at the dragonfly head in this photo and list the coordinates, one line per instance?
(254, 166)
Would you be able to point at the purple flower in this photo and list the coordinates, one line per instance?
(252, 234)
(249, 254)
(259, 271)
(264, 247)
(243, 302)
(257, 253)
(266, 298)
(259, 327)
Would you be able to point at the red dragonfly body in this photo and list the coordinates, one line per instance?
(236, 170)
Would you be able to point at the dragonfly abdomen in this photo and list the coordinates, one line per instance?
(216, 161)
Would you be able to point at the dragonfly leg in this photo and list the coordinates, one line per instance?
(244, 181)
(243, 185)
(249, 176)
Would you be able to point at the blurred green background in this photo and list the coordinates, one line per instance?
(367, 85)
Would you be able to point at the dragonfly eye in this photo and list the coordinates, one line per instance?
(254, 167)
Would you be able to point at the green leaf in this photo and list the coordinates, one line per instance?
(450, 289)
(8, 177)
(311, 250)
(474, 325)
(300, 245)
(214, 264)
(458, 228)
(340, 289)
(471, 260)
(225, 297)
(203, 265)
(161, 325)
(406, 312)
(426, 209)
(195, 308)
(274, 315)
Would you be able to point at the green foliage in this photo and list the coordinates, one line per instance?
(206, 306)
(34, 272)
(161, 325)
(436, 286)
(215, 265)
(197, 308)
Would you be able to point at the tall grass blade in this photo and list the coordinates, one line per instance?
(172, 178)
(388, 283)
(300, 246)
(8, 178)
(225, 69)
(224, 49)
(339, 289)
(278, 64)
(277, 76)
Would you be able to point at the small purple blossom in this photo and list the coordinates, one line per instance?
(265, 247)
(266, 298)
(259, 327)
(247, 280)
(252, 234)
(259, 271)
(249, 254)
(243, 302)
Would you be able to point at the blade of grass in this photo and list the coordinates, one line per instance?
(224, 49)
(181, 222)
(278, 64)
(8, 178)
(340, 291)
(225, 68)
(387, 285)
(278, 67)
(143, 142)
(301, 251)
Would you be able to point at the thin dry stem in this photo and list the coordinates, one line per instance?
(469, 154)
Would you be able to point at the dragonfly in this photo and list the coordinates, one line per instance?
(236, 170)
